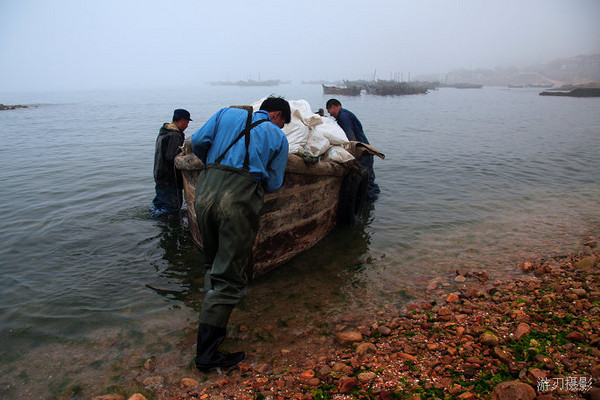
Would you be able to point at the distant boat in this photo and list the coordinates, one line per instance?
(464, 86)
(393, 88)
(341, 90)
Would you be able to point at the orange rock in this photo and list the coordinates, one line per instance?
(366, 376)
(348, 337)
(513, 390)
(306, 375)
(575, 336)
(365, 348)
(527, 266)
(347, 384)
(188, 382)
(452, 298)
(407, 357)
(522, 330)
(444, 311)
(489, 339)
(244, 367)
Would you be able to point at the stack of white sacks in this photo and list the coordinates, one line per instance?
(309, 133)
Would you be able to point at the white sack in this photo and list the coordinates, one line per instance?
(296, 131)
(297, 134)
(316, 144)
(339, 154)
(331, 131)
(301, 110)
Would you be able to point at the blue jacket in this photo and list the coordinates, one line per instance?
(351, 126)
(268, 146)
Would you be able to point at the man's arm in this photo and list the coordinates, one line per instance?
(276, 167)
(204, 137)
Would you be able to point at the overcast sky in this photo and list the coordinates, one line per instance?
(72, 44)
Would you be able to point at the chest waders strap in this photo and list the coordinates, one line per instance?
(246, 133)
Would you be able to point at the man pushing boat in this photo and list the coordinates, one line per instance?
(245, 155)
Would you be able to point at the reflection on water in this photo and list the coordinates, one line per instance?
(182, 278)
(319, 279)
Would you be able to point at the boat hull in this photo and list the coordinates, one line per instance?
(344, 91)
(294, 218)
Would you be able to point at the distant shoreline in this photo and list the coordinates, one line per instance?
(14, 107)
(591, 89)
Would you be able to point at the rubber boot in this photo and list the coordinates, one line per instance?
(207, 355)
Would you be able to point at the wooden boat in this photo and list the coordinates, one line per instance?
(341, 90)
(393, 88)
(464, 85)
(313, 198)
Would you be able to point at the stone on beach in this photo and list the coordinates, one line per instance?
(440, 345)
(488, 339)
(137, 396)
(586, 263)
(452, 298)
(365, 348)
(514, 390)
(188, 382)
(522, 330)
(348, 337)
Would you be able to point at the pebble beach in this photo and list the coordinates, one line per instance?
(534, 337)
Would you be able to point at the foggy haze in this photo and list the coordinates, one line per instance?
(74, 44)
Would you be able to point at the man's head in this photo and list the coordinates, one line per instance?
(333, 107)
(278, 109)
(181, 118)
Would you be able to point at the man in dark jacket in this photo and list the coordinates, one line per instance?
(354, 132)
(169, 182)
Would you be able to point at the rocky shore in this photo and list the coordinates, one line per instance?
(537, 337)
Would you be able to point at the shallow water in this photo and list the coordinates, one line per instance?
(473, 179)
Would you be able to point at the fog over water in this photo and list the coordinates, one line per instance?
(72, 45)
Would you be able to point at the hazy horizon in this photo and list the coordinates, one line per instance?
(71, 45)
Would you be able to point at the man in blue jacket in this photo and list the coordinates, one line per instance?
(245, 155)
(354, 132)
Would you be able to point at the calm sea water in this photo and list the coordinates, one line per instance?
(473, 179)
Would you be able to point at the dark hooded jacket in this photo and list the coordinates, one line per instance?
(169, 139)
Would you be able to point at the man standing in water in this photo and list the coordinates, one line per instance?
(169, 182)
(245, 155)
(354, 132)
